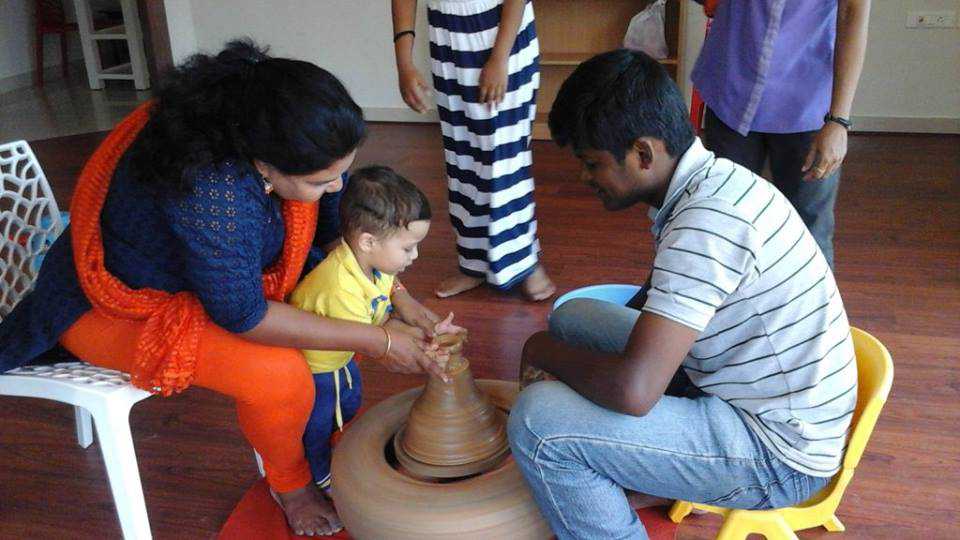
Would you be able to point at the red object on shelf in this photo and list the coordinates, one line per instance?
(51, 19)
(710, 7)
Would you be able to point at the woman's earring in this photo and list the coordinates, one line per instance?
(267, 186)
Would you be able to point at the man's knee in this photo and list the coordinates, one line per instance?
(532, 414)
(569, 319)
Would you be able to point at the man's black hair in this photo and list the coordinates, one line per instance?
(613, 99)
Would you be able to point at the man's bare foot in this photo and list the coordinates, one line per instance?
(538, 286)
(309, 512)
(457, 284)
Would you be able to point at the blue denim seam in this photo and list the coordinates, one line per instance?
(645, 447)
(553, 501)
(765, 487)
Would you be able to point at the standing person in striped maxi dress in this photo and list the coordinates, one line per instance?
(486, 72)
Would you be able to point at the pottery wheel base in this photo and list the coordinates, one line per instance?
(427, 471)
(376, 501)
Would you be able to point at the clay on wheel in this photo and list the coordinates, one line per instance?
(377, 502)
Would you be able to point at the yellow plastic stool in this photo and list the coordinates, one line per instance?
(875, 376)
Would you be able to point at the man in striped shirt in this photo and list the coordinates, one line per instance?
(741, 314)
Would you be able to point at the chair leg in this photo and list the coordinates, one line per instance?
(739, 524)
(120, 458)
(84, 426)
(834, 525)
(680, 510)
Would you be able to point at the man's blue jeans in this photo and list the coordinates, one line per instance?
(578, 457)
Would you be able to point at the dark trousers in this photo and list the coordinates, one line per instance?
(322, 423)
(814, 200)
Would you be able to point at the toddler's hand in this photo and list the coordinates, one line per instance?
(400, 326)
(446, 326)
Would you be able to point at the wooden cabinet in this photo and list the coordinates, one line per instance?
(571, 31)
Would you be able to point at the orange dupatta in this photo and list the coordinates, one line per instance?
(167, 346)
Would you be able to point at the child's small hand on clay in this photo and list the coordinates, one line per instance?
(446, 326)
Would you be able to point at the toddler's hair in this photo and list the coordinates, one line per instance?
(379, 201)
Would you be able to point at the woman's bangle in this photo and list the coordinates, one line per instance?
(386, 352)
(399, 35)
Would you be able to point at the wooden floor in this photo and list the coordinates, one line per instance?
(898, 265)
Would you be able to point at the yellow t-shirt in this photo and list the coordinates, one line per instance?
(339, 289)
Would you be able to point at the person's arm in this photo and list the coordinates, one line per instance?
(412, 88)
(628, 383)
(494, 76)
(693, 273)
(415, 314)
(287, 326)
(830, 145)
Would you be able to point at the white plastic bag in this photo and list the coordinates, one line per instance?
(645, 32)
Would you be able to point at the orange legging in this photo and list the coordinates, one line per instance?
(272, 386)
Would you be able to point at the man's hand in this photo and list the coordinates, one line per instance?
(493, 81)
(530, 373)
(826, 153)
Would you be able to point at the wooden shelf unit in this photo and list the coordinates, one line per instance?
(571, 31)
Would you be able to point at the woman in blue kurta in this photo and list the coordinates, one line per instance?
(194, 205)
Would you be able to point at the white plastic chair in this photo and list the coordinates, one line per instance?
(29, 222)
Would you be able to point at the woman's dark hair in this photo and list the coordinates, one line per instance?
(379, 201)
(615, 98)
(243, 103)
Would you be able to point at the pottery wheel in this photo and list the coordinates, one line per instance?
(377, 500)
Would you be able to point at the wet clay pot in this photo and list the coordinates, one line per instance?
(377, 499)
(452, 425)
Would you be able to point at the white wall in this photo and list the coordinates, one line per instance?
(17, 48)
(911, 77)
(353, 39)
(183, 36)
(911, 81)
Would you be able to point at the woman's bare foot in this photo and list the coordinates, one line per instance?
(457, 284)
(309, 512)
(538, 286)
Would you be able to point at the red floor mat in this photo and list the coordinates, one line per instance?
(257, 517)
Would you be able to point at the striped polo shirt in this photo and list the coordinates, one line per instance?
(735, 262)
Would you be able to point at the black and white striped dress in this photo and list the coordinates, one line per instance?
(487, 149)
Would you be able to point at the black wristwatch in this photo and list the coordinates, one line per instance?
(845, 122)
